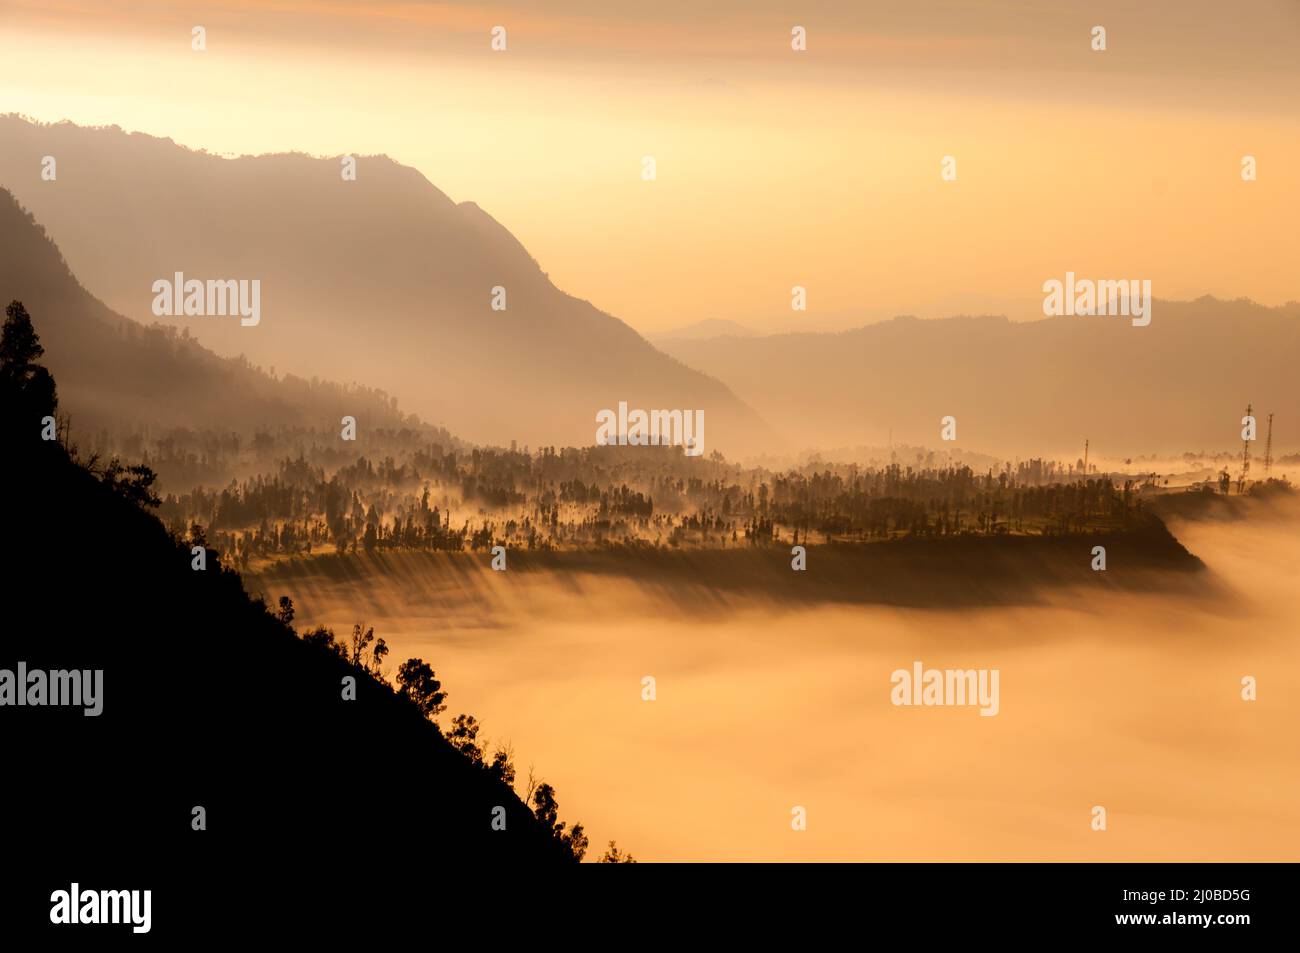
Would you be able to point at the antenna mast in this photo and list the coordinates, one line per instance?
(1245, 459)
(1268, 449)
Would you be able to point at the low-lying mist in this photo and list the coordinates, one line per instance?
(1127, 700)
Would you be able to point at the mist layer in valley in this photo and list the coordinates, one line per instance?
(1123, 697)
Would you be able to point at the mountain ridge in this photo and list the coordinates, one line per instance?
(1013, 385)
(116, 373)
(384, 278)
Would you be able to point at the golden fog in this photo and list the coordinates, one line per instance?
(1129, 702)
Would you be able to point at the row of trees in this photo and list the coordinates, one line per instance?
(364, 506)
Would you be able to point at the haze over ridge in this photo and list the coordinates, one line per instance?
(386, 281)
(1182, 383)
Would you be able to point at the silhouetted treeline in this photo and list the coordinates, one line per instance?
(450, 498)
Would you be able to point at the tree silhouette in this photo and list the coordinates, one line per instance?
(324, 638)
(27, 387)
(361, 639)
(463, 736)
(614, 856)
(418, 682)
(547, 810)
(502, 766)
(135, 482)
(21, 345)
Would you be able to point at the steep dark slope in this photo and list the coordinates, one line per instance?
(381, 279)
(207, 700)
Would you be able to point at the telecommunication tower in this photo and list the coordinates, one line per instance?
(1268, 448)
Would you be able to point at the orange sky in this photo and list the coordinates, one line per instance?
(775, 168)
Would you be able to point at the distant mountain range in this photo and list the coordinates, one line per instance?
(1182, 383)
(382, 280)
(708, 328)
(386, 281)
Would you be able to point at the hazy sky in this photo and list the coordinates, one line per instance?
(775, 168)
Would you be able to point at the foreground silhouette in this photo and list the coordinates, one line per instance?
(207, 700)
